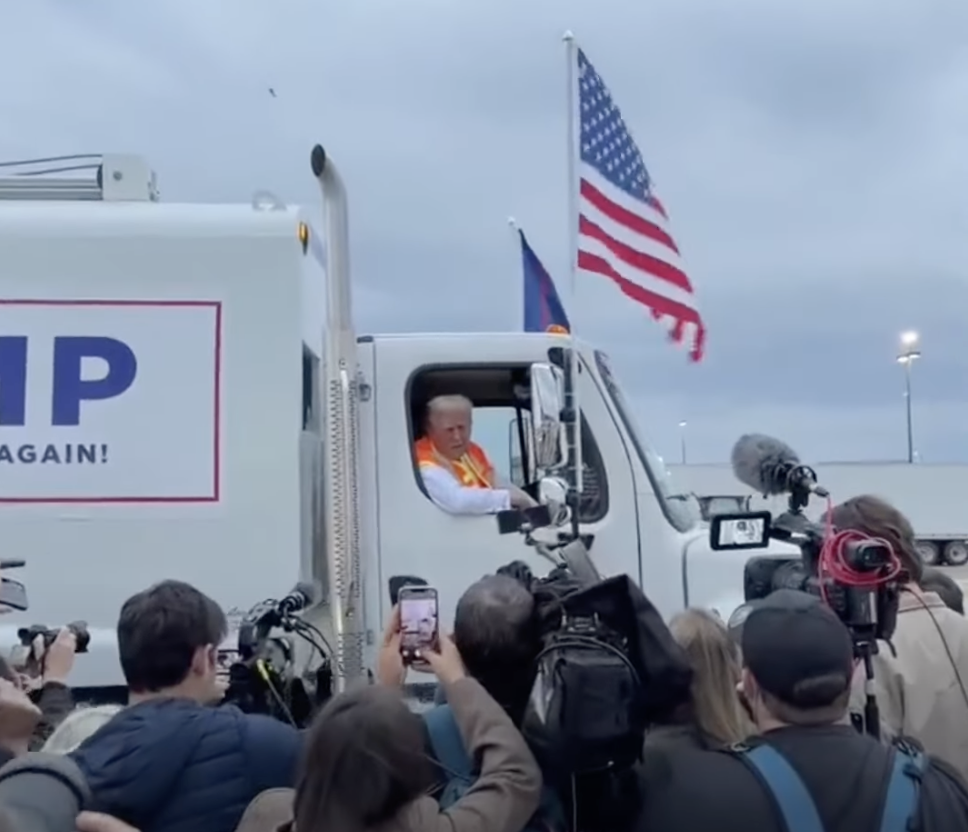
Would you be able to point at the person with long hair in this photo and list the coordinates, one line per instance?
(921, 677)
(714, 716)
(366, 767)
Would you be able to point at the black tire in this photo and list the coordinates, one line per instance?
(956, 553)
(930, 552)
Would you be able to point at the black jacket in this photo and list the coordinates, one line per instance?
(846, 773)
(672, 737)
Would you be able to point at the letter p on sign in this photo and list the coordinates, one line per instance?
(70, 387)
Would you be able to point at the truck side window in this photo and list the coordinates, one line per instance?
(500, 419)
(310, 397)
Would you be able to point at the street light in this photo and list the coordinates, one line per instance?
(910, 352)
(682, 441)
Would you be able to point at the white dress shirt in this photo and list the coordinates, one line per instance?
(448, 493)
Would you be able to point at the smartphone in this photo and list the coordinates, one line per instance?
(419, 622)
(13, 594)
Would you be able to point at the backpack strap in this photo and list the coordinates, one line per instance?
(447, 743)
(902, 789)
(794, 801)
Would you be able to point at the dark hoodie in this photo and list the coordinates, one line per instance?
(172, 765)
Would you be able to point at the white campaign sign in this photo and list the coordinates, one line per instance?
(109, 401)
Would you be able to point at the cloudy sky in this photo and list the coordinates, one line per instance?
(812, 157)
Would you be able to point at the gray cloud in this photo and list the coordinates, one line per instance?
(811, 156)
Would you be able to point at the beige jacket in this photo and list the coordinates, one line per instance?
(506, 792)
(502, 799)
(919, 693)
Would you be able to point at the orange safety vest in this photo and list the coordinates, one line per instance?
(472, 470)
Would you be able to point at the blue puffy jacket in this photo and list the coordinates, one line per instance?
(172, 765)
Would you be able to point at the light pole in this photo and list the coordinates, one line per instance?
(682, 441)
(910, 352)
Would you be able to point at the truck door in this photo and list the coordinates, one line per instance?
(417, 537)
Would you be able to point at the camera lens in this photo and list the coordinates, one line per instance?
(867, 555)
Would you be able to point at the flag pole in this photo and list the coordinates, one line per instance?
(515, 231)
(572, 405)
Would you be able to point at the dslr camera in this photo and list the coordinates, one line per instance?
(27, 660)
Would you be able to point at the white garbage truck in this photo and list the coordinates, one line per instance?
(183, 395)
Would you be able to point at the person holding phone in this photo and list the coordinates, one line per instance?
(361, 762)
(364, 769)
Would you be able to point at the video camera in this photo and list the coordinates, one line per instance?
(857, 576)
(867, 603)
(606, 668)
(263, 679)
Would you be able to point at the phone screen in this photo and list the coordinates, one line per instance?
(418, 620)
(13, 594)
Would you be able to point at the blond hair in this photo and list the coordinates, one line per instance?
(716, 667)
(79, 724)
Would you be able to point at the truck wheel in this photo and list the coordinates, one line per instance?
(929, 552)
(956, 553)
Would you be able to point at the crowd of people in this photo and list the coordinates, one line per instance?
(767, 738)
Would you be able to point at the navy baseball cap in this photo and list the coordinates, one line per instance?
(796, 647)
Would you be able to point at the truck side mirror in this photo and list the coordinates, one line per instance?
(546, 449)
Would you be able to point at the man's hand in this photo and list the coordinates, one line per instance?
(390, 669)
(520, 499)
(58, 659)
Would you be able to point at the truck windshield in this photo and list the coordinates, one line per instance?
(680, 509)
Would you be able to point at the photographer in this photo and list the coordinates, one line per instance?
(807, 768)
(921, 676)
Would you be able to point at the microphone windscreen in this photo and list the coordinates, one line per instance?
(758, 460)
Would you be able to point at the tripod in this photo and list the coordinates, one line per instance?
(871, 722)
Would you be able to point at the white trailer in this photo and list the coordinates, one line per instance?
(932, 496)
(183, 395)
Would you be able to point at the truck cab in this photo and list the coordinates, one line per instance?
(217, 419)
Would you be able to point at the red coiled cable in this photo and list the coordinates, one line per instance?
(833, 562)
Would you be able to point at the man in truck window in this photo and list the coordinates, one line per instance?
(456, 472)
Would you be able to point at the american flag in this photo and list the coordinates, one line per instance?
(623, 229)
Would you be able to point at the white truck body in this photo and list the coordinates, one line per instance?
(932, 496)
(250, 452)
